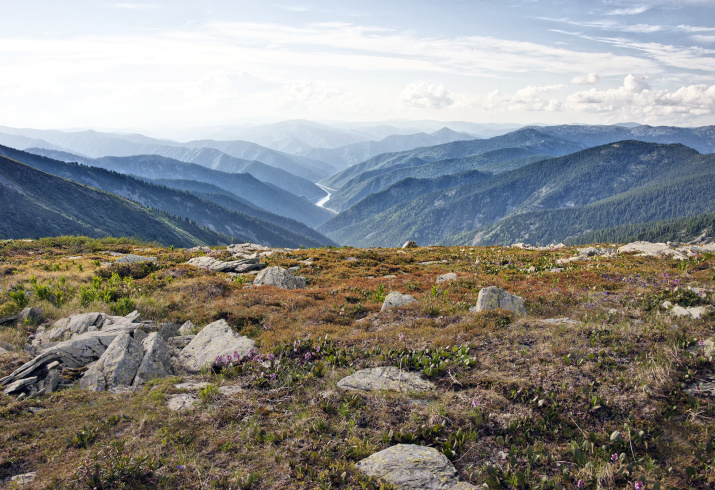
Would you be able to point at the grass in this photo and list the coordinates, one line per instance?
(520, 403)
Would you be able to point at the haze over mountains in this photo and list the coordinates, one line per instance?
(440, 186)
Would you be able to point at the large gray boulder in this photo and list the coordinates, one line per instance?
(215, 339)
(280, 278)
(408, 466)
(395, 299)
(156, 362)
(239, 266)
(118, 365)
(385, 378)
(493, 297)
(77, 324)
(448, 277)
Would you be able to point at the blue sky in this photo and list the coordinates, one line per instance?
(135, 65)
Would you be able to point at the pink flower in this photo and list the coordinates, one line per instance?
(475, 403)
(639, 485)
(580, 484)
(614, 457)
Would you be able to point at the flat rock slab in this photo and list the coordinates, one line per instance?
(395, 299)
(449, 277)
(649, 249)
(134, 259)
(493, 297)
(560, 321)
(385, 378)
(215, 339)
(280, 278)
(184, 401)
(408, 466)
(216, 265)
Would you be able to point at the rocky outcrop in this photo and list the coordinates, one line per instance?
(690, 311)
(156, 361)
(280, 278)
(410, 244)
(117, 365)
(395, 299)
(215, 339)
(648, 249)
(236, 266)
(589, 253)
(408, 466)
(493, 297)
(385, 378)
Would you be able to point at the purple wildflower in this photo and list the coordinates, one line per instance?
(614, 457)
(307, 356)
(475, 403)
(219, 359)
(701, 342)
(273, 375)
(580, 484)
(639, 485)
(317, 348)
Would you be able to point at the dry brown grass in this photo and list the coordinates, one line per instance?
(540, 388)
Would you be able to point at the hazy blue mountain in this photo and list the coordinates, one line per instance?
(229, 200)
(701, 139)
(193, 164)
(298, 135)
(34, 204)
(528, 138)
(376, 180)
(570, 181)
(95, 144)
(359, 152)
(184, 204)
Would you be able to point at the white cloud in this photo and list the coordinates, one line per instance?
(637, 98)
(422, 95)
(589, 79)
(629, 11)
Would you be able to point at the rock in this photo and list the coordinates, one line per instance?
(705, 348)
(493, 297)
(21, 386)
(156, 362)
(690, 311)
(648, 249)
(78, 324)
(134, 259)
(243, 265)
(559, 321)
(184, 401)
(168, 330)
(449, 277)
(118, 364)
(385, 378)
(187, 328)
(50, 383)
(192, 385)
(395, 299)
(74, 353)
(408, 466)
(30, 315)
(180, 342)
(410, 244)
(280, 278)
(23, 479)
(215, 339)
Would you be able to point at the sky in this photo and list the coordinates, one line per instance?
(180, 64)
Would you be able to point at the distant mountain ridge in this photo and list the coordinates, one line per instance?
(570, 181)
(203, 212)
(345, 156)
(34, 204)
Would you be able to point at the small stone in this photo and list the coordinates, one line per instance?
(385, 378)
(449, 277)
(409, 466)
(23, 479)
(184, 401)
(493, 297)
(395, 299)
(187, 328)
(30, 315)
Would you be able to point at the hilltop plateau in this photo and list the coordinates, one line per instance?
(417, 367)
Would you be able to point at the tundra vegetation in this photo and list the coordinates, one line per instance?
(603, 401)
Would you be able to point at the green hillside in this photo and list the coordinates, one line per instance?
(34, 204)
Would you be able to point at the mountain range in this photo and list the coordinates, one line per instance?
(386, 184)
